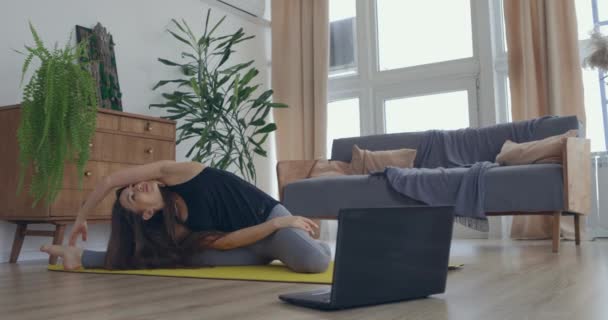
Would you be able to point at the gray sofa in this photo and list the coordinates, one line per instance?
(547, 189)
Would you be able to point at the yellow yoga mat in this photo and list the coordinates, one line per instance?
(275, 272)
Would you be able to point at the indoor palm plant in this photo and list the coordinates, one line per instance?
(217, 101)
(58, 116)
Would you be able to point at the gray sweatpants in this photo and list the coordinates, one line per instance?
(293, 246)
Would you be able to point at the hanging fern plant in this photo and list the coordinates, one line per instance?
(58, 115)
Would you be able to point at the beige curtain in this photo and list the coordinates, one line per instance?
(545, 78)
(300, 63)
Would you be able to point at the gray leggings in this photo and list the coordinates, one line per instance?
(293, 246)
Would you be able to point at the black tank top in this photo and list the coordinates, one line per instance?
(220, 200)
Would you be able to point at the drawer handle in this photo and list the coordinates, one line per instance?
(149, 151)
(88, 173)
(148, 126)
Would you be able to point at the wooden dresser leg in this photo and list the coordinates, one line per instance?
(577, 229)
(18, 242)
(57, 239)
(556, 230)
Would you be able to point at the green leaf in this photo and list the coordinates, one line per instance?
(236, 68)
(195, 87)
(225, 56)
(206, 23)
(258, 122)
(179, 38)
(266, 129)
(190, 151)
(243, 39)
(249, 75)
(216, 25)
(222, 81)
(164, 82)
(234, 102)
(190, 34)
(178, 25)
(26, 64)
(189, 55)
(260, 151)
(278, 105)
(188, 70)
(262, 99)
(169, 63)
(263, 139)
(203, 41)
(265, 112)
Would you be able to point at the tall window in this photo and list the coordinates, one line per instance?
(402, 65)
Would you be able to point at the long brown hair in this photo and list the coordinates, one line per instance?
(136, 243)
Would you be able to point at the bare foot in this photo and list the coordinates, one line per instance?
(71, 255)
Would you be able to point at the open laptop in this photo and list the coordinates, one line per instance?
(385, 255)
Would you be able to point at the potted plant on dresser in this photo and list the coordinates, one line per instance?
(57, 145)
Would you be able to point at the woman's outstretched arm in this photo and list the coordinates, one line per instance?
(165, 171)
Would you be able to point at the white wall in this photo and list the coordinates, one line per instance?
(138, 28)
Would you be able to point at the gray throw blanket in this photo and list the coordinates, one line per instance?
(460, 187)
(451, 166)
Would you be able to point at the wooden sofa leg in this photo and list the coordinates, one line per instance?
(18, 242)
(556, 230)
(577, 229)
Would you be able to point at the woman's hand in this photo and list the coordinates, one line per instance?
(80, 227)
(295, 222)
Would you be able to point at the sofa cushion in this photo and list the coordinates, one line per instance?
(515, 188)
(322, 168)
(548, 150)
(366, 161)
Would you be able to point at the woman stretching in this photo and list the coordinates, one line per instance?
(172, 214)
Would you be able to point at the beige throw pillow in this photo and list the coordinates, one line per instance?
(365, 161)
(548, 150)
(324, 168)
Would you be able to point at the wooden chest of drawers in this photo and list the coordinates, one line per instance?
(121, 140)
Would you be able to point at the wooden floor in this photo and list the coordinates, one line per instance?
(500, 280)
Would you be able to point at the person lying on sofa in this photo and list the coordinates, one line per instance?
(172, 214)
